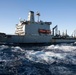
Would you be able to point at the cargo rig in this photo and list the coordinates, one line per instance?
(31, 32)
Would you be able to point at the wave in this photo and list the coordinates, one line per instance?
(58, 59)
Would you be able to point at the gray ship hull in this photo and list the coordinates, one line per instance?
(28, 39)
(34, 39)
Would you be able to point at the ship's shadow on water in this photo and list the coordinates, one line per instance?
(38, 60)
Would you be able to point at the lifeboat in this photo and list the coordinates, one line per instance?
(48, 31)
(44, 31)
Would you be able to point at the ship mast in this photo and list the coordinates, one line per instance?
(38, 14)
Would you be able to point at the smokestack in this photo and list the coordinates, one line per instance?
(31, 16)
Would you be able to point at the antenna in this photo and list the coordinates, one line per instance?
(38, 14)
(20, 19)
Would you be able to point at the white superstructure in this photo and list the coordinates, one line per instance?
(31, 27)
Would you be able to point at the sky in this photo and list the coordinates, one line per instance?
(59, 12)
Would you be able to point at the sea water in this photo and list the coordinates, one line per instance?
(57, 59)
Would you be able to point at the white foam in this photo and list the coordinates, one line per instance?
(50, 54)
(44, 56)
(2, 47)
(67, 53)
(62, 47)
(17, 48)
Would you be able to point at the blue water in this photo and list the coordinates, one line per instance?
(38, 60)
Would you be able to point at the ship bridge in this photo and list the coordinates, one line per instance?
(30, 27)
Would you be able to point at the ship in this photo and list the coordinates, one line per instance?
(35, 32)
(29, 32)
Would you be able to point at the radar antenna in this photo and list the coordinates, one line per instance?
(20, 19)
(38, 14)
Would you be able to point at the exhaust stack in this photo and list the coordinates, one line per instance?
(31, 16)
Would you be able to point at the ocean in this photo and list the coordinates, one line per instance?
(59, 59)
